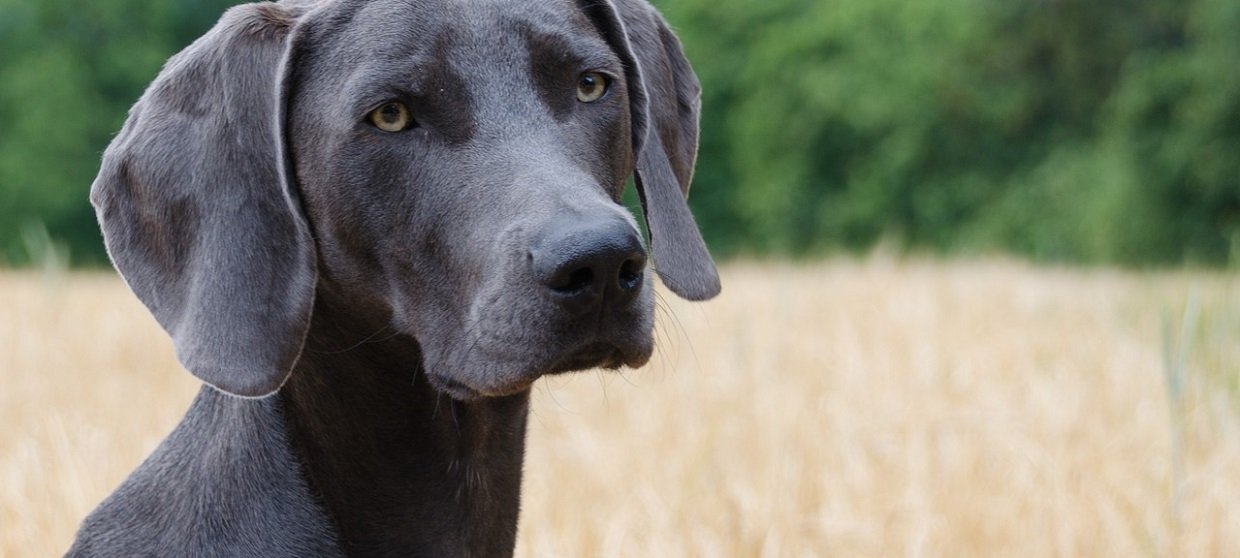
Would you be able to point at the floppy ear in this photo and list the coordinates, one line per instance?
(665, 98)
(198, 212)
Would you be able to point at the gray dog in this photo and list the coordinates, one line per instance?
(369, 226)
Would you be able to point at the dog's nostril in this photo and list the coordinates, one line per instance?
(631, 274)
(576, 281)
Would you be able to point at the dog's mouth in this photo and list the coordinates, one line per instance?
(504, 346)
(455, 389)
(592, 355)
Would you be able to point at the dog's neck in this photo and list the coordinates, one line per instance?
(402, 469)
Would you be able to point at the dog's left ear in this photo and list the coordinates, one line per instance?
(665, 98)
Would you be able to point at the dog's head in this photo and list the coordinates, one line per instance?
(451, 169)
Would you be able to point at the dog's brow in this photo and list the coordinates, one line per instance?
(584, 44)
(440, 95)
(554, 61)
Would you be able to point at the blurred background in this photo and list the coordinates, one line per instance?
(1083, 131)
(981, 267)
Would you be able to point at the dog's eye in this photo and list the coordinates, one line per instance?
(591, 86)
(391, 117)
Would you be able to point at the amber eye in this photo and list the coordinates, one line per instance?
(591, 86)
(391, 117)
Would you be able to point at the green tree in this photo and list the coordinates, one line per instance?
(69, 72)
(1064, 130)
(1078, 130)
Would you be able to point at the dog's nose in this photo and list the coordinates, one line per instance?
(585, 264)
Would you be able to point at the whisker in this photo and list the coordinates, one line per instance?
(680, 328)
(665, 341)
(551, 395)
(602, 382)
(368, 339)
(541, 386)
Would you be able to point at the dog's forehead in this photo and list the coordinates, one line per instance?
(502, 63)
(399, 28)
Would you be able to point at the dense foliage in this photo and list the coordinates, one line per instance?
(69, 70)
(1065, 130)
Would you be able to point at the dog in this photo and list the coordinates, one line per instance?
(368, 228)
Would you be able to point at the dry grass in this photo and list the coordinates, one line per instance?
(843, 409)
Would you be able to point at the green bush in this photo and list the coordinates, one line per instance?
(68, 74)
(1069, 130)
(1097, 131)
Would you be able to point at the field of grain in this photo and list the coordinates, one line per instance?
(873, 408)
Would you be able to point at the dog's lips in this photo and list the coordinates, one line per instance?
(590, 355)
(505, 348)
(599, 355)
(453, 388)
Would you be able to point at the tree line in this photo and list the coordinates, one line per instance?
(1084, 131)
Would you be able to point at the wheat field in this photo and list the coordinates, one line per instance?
(882, 407)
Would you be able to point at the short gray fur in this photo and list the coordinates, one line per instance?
(368, 309)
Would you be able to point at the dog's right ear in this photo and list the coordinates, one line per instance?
(198, 210)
